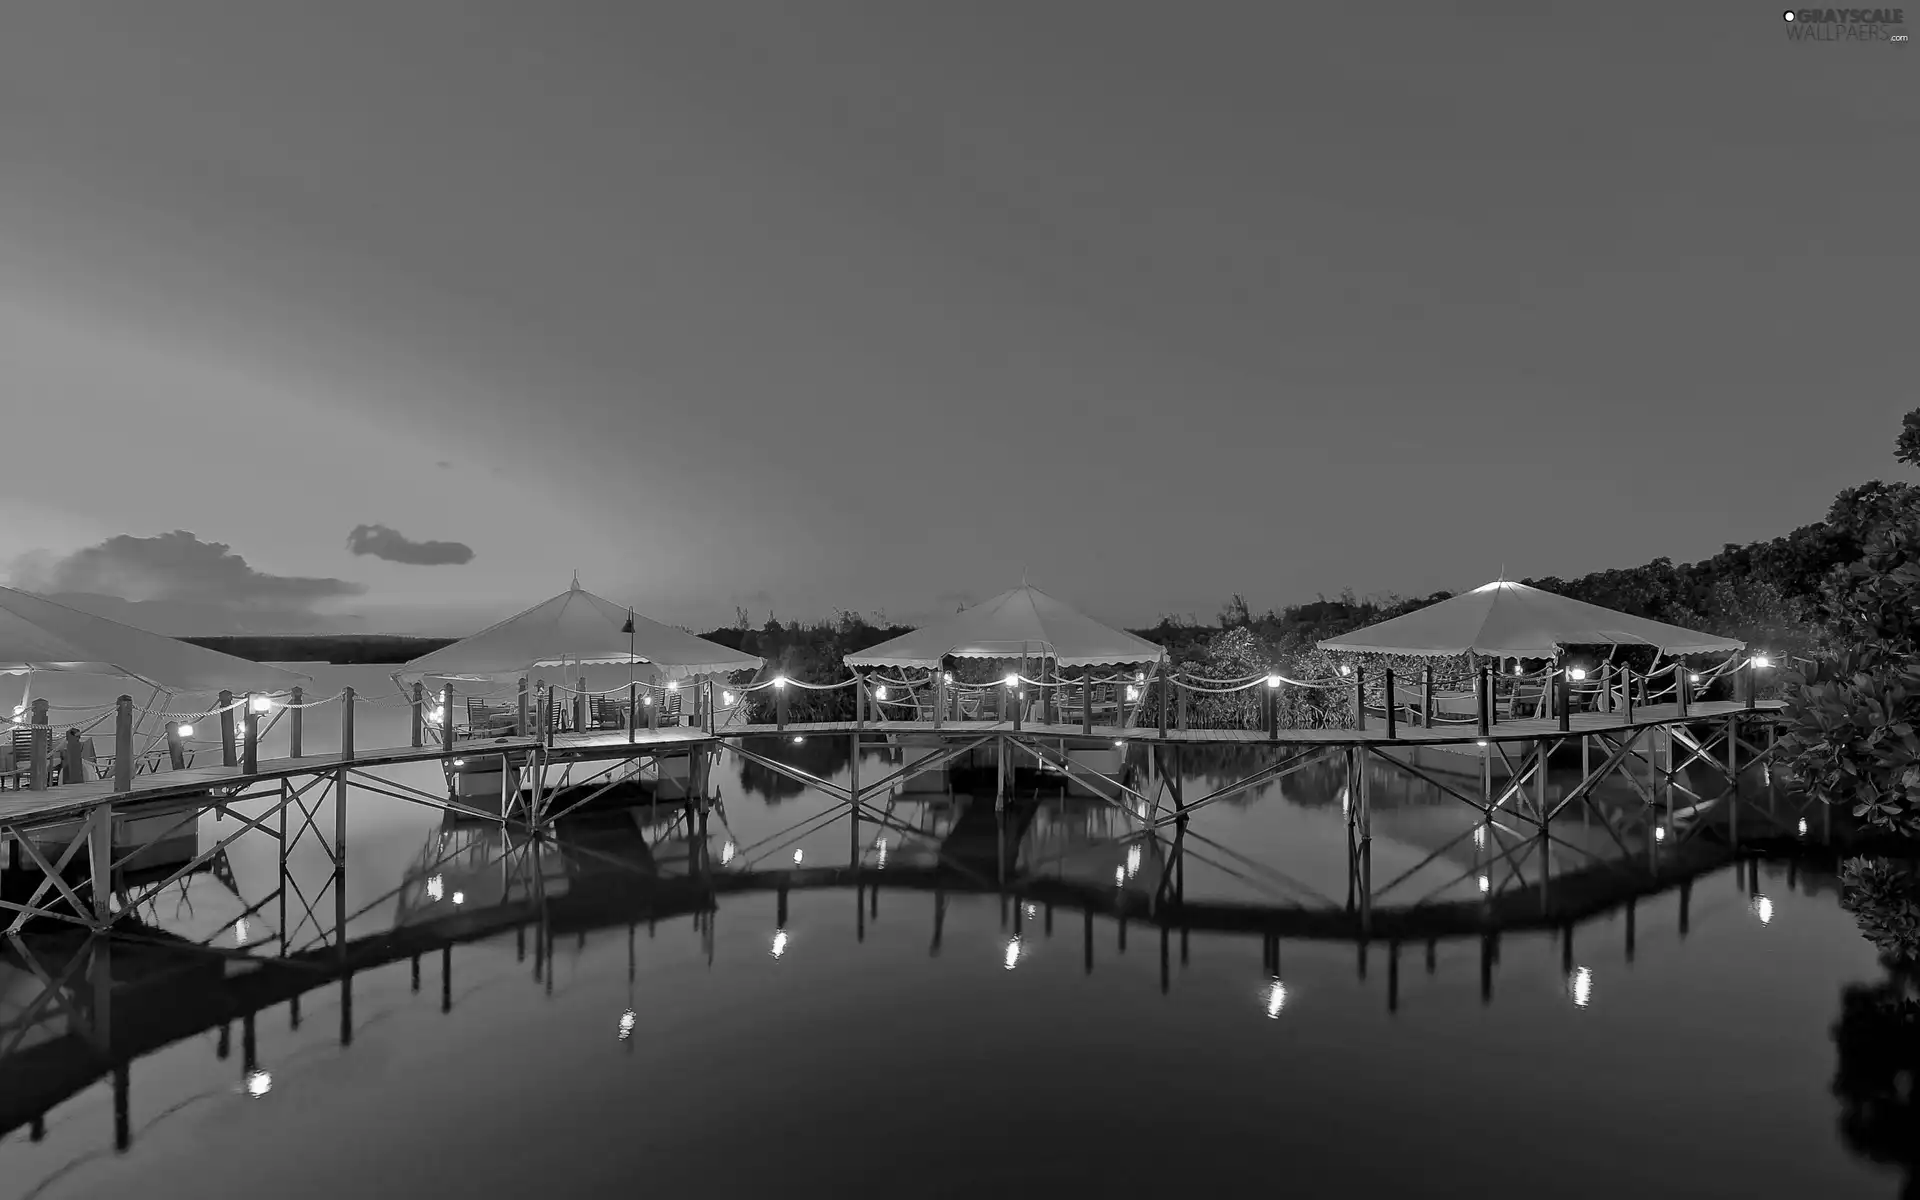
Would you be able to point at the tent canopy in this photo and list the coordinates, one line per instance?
(1514, 620)
(578, 626)
(39, 635)
(1024, 621)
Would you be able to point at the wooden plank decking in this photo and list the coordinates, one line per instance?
(72, 800)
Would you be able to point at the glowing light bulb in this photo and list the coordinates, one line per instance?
(1517, 670)
(258, 1083)
(1133, 693)
(1120, 745)
(436, 714)
(459, 762)
(1576, 673)
(1481, 742)
(262, 704)
(1276, 998)
(779, 942)
(1345, 669)
(1763, 908)
(1139, 676)
(18, 709)
(647, 700)
(779, 681)
(1580, 986)
(1119, 877)
(947, 677)
(673, 685)
(436, 887)
(797, 856)
(627, 1019)
(726, 697)
(880, 693)
(1013, 953)
(798, 740)
(459, 897)
(1660, 835)
(1693, 677)
(1273, 681)
(1761, 660)
(1013, 681)
(186, 731)
(1486, 885)
(1803, 827)
(726, 854)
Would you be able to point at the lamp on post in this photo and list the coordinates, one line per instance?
(632, 716)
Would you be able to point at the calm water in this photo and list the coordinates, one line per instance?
(901, 1040)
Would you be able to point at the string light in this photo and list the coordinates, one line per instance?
(779, 681)
(186, 731)
(1013, 681)
(726, 697)
(880, 693)
(1761, 660)
(797, 854)
(262, 704)
(1273, 681)
(1576, 673)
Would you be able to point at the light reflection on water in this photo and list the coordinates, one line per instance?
(782, 1020)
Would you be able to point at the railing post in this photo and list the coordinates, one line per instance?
(1626, 693)
(711, 714)
(1483, 693)
(340, 798)
(100, 861)
(419, 714)
(176, 747)
(1360, 697)
(1426, 696)
(1606, 687)
(1393, 720)
(1086, 700)
(73, 766)
(446, 719)
(1680, 689)
(1493, 696)
(1752, 674)
(346, 726)
(227, 757)
(859, 702)
(633, 710)
(780, 703)
(1563, 699)
(41, 750)
(1017, 699)
(295, 713)
(249, 738)
(652, 706)
(123, 744)
(1163, 680)
(521, 725)
(1273, 713)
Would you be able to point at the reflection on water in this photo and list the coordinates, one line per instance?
(830, 993)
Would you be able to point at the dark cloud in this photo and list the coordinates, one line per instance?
(390, 544)
(175, 583)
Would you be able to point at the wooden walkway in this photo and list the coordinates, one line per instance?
(194, 783)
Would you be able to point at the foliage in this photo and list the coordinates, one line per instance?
(354, 649)
(1884, 897)
(1877, 1043)
(812, 653)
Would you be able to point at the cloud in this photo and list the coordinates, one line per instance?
(390, 544)
(175, 583)
(443, 464)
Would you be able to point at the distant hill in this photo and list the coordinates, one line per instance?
(346, 649)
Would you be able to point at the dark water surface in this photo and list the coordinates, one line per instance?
(901, 1040)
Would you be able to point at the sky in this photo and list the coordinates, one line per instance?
(381, 316)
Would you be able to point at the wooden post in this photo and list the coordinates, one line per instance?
(1680, 686)
(1164, 679)
(100, 861)
(41, 750)
(419, 714)
(295, 715)
(1426, 696)
(652, 706)
(249, 738)
(859, 701)
(780, 703)
(176, 747)
(633, 710)
(1273, 714)
(73, 767)
(521, 725)
(1359, 697)
(123, 744)
(340, 800)
(1752, 674)
(227, 757)
(1086, 701)
(1493, 696)
(1392, 717)
(1483, 693)
(446, 719)
(1626, 693)
(346, 725)
(1563, 699)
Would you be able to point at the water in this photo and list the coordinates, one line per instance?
(902, 1040)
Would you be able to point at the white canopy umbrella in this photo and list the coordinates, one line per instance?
(1016, 624)
(1512, 620)
(39, 635)
(578, 628)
